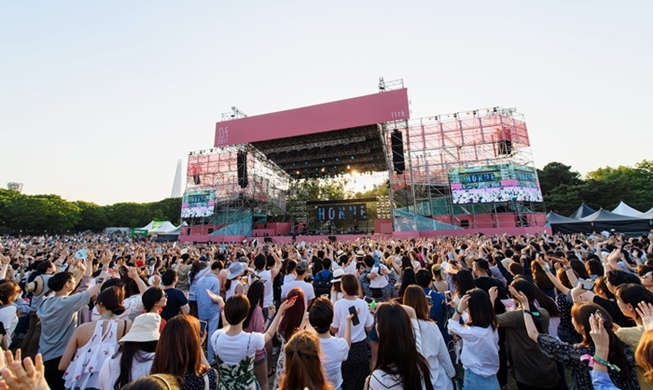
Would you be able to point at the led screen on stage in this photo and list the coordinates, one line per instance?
(198, 204)
(494, 183)
(342, 213)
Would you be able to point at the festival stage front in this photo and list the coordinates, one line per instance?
(206, 238)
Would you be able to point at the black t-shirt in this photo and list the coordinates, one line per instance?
(176, 299)
(485, 283)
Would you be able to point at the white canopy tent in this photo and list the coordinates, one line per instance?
(624, 209)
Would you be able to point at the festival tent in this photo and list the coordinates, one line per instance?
(583, 211)
(648, 214)
(599, 221)
(554, 218)
(166, 228)
(624, 209)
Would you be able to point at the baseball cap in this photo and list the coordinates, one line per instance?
(302, 265)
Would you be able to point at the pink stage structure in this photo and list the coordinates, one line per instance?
(454, 174)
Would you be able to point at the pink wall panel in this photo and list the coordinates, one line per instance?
(342, 114)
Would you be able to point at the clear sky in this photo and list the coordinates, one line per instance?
(98, 100)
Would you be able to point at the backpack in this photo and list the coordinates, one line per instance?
(322, 283)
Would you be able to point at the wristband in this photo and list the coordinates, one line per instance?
(547, 270)
(567, 268)
(459, 313)
(597, 360)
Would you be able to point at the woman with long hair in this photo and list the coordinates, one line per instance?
(463, 282)
(433, 346)
(154, 300)
(480, 353)
(236, 349)
(135, 355)
(532, 368)
(568, 354)
(356, 368)
(179, 353)
(255, 322)
(93, 342)
(399, 364)
(291, 321)
(304, 369)
(197, 270)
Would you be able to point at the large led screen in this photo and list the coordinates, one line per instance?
(198, 204)
(494, 183)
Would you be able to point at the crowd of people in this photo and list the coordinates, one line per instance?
(471, 312)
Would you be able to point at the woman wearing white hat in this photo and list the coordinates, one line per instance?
(233, 285)
(135, 356)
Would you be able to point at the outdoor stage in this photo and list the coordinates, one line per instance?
(452, 174)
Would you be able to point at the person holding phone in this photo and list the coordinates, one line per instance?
(356, 368)
(236, 349)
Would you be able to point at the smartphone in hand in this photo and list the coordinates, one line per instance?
(203, 325)
(352, 310)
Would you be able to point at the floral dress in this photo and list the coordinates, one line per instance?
(569, 355)
(238, 376)
(84, 371)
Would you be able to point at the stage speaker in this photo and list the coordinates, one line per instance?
(196, 180)
(267, 239)
(332, 239)
(241, 162)
(505, 146)
(398, 161)
(464, 223)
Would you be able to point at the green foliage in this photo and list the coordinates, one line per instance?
(564, 190)
(51, 213)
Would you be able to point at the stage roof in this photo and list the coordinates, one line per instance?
(342, 114)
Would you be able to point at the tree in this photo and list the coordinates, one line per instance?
(91, 216)
(555, 174)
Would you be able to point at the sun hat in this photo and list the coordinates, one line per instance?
(339, 253)
(235, 269)
(360, 254)
(144, 328)
(337, 274)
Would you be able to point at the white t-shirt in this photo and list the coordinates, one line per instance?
(9, 318)
(480, 348)
(334, 351)
(133, 307)
(111, 369)
(233, 349)
(266, 278)
(309, 293)
(340, 313)
(381, 280)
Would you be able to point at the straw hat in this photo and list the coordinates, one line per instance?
(145, 328)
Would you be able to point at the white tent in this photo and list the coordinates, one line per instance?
(624, 209)
(166, 228)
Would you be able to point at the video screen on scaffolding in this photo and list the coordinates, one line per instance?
(494, 183)
(350, 212)
(197, 204)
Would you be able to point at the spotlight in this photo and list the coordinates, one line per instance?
(348, 166)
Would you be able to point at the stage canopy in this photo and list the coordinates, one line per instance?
(582, 212)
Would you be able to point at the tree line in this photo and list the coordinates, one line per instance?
(563, 189)
(52, 213)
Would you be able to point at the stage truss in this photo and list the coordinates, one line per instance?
(432, 146)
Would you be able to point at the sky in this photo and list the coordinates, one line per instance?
(99, 100)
